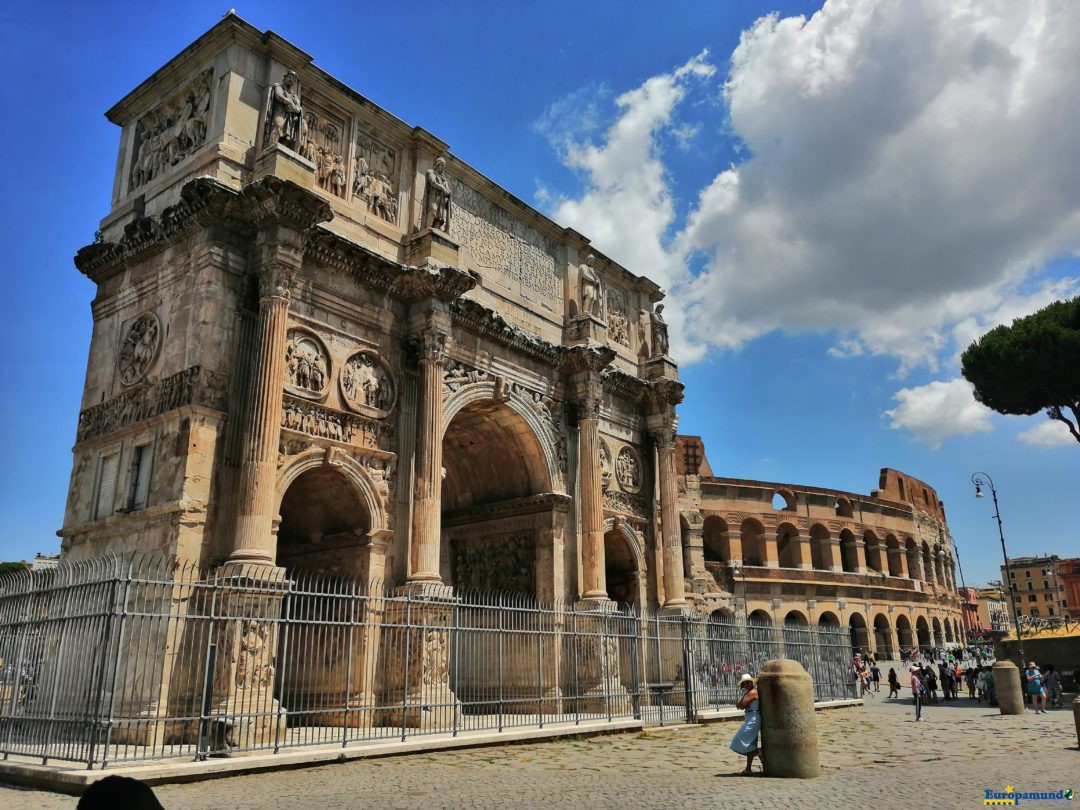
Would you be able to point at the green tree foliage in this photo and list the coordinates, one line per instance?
(1031, 366)
(8, 567)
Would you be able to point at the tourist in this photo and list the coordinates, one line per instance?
(894, 684)
(947, 682)
(1035, 688)
(918, 692)
(1053, 685)
(875, 673)
(746, 738)
(930, 682)
(969, 679)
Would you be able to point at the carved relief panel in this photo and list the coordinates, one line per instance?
(618, 322)
(171, 131)
(138, 348)
(307, 365)
(366, 384)
(605, 464)
(628, 470)
(496, 562)
(375, 177)
(322, 141)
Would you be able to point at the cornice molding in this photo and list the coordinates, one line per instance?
(484, 322)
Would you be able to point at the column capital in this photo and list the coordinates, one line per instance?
(430, 346)
(585, 405)
(587, 360)
(272, 203)
(663, 436)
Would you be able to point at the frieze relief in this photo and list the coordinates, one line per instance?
(504, 245)
(626, 503)
(366, 385)
(171, 131)
(192, 386)
(326, 423)
(375, 177)
(139, 348)
(307, 367)
(496, 562)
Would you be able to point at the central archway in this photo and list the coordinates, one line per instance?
(495, 466)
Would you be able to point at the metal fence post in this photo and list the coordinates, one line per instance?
(635, 670)
(202, 746)
(688, 689)
(116, 659)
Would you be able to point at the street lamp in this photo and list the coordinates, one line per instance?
(981, 479)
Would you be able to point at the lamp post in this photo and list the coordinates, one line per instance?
(981, 479)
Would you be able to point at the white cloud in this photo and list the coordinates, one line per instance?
(911, 163)
(911, 167)
(1051, 433)
(938, 410)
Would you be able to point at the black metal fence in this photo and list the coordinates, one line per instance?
(131, 659)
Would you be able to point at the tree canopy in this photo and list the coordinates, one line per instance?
(1032, 365)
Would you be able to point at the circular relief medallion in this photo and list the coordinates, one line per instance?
(628, 470)
(140, 347)
(366, 385)
(605, 465)
(307, 367)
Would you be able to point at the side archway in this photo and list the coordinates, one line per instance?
(883, 636)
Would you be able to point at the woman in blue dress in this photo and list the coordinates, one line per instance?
(746, 738)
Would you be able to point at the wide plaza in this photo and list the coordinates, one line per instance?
(873, 755)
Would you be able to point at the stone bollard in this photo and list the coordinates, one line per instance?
(1007, 685)
(1076, 718)
(789, 735)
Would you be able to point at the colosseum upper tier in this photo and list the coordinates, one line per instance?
(881, 564)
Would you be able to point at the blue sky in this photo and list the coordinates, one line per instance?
(838, 205)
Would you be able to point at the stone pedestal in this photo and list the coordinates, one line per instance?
(416, 650)
(245, 714)
(659, 368)
(1010, 695)
(789, 734)
(592, 678)
(585, 329)
(278, 161)
(432, 248)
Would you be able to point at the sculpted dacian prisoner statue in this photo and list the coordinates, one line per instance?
(437, 198)
(284, 115)
(590, 288)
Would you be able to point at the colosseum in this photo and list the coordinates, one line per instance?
(881, 564)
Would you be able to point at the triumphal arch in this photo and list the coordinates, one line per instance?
(322, 343)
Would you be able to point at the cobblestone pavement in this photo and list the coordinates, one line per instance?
(873, 754)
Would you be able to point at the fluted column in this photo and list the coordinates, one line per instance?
(674, 584)
(254, 541)
(591, 496)
(427, 505)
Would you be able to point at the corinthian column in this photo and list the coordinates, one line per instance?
(592, 500)
(427, 505)
(674, 585)
(254, 540)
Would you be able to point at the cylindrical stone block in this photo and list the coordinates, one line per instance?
(1007, 685)
(789, 734)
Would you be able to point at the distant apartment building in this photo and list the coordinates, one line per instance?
(969, 605)
(1069, 574)
(1037, 586)
(993, 610)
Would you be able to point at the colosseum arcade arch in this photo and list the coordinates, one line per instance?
(903, 632)
(500, 511)
(860, 638)
(789, 547)
(716, 539)
(922, 633)
(883, 641)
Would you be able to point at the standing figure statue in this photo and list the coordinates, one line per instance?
(284, 115)
(590, 288)
(437, 198)
(659, 332)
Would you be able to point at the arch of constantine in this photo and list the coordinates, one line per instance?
(407, 450)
